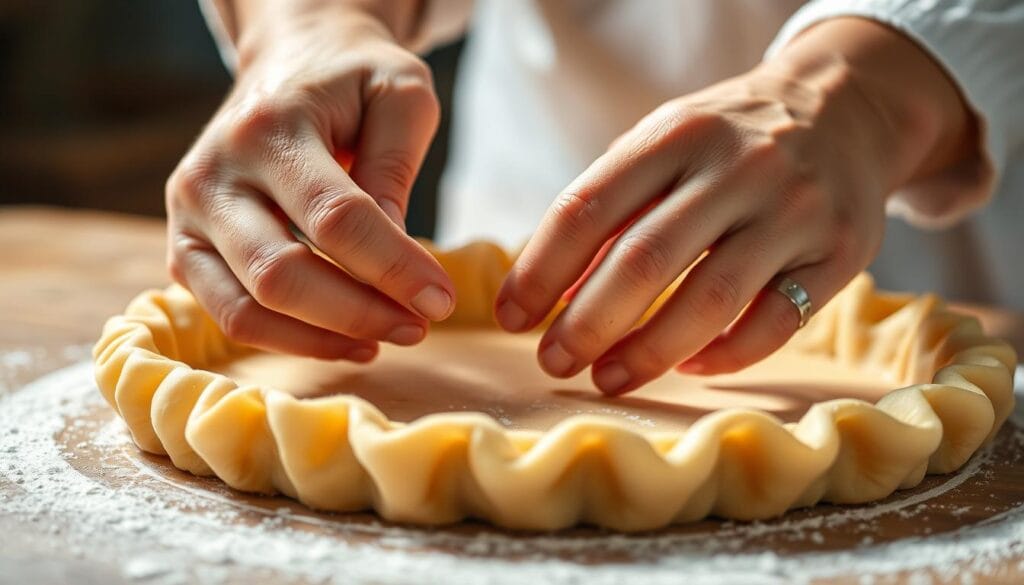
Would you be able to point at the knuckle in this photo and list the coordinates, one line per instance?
(396, 169)
(192, 182)
(236, 319)
(645, 259)
(408, 70)
(175, 267)
(768, 153)
(575, 215)
(345, 220)
(267, 268)
(785, 131)
(416, 85)
(359, 324)
(676, 122)
(396, 272)
(258, 122)
(803, 201)
(180, 248)
(371, 318)
(719, 294)
(758, 248)
(530, 286)
(409, 78)
(579, 335)
(221, 210)
(648, 357)
(846, 243)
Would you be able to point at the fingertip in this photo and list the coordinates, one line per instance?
(406, 334)
(362, 354)
(612, 378)
(717, 357)
(335, 348)
(511, 316)
(616, 393)
(692, 366)
(619, 391)
(557, 361)
(434, 302)
(721, 356)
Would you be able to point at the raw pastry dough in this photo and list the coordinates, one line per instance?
(158, 365)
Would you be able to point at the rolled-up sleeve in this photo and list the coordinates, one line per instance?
(980, 44)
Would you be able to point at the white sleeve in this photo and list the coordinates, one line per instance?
(440, 21)
(980, 43)
(215, 22)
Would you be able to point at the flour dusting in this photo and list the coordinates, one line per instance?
(156, 528)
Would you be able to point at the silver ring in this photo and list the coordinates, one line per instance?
(798, 296)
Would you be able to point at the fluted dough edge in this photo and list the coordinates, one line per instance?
(341, 453)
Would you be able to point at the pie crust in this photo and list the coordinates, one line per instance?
(341, 453)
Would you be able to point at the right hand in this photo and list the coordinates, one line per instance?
(333, 91)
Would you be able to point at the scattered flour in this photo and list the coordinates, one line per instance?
(152, 533)
(15, 363)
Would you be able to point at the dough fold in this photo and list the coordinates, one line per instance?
(955, 389)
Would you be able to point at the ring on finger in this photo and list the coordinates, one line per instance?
(797, 294)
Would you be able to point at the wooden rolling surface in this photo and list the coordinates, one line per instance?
(62, 273)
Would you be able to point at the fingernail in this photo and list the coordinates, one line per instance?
(361, 354)
(690, 367)
(406, 334)
(433, 302)
(611, 377)
(511, 316)
(393, 211)
(556, 360)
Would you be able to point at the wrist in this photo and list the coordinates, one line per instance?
(265, 28)
(894, 92)
(823, 95)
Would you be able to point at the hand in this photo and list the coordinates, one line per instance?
(336, 88)
(783, 171)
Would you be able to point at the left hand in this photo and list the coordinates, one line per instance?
(777, 172)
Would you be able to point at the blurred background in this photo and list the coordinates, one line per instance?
(100, 98)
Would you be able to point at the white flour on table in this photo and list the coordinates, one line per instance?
(156, 530)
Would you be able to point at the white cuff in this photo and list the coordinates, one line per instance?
(979, 45)
(215, 23)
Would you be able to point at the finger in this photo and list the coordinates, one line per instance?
(347, 225)
(612, 191)
(639, 266)
(285, 276)
(768, 323)
(706, 301)
(602, 253)
(244, 320)
(396, 132)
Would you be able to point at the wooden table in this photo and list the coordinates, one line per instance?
(63, 273)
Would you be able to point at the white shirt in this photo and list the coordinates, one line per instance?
(545, 85)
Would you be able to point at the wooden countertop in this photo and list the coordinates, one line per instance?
(62, 273)
(65, 272)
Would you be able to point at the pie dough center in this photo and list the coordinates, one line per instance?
(497, 373)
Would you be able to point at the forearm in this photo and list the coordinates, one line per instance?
(252, 24)
(924, 124)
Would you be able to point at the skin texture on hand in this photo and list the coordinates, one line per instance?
(781, 171)
(318, 85)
